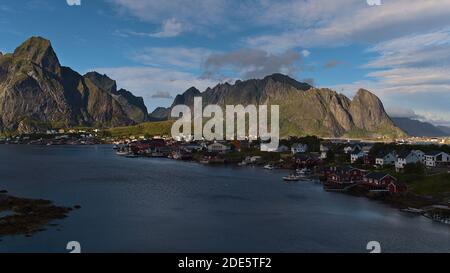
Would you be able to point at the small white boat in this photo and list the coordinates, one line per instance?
(291, 177)
(269, 167)
(303, 172)
(122, 153)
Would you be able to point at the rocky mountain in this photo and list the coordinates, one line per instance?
(418, 128)
(36, 93)
(303, 108)
(445, 129)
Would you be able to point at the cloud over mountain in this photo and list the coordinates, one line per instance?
(251, 63)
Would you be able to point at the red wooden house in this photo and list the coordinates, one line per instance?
(378, 181)
(397, 188)
(344, 175)
(307, 160)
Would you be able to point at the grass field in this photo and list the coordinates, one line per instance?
(147, 129)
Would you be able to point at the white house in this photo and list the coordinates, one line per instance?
(218, 147)
(299, 148)
(436, 158)
(323, 151)
(350, 149)
(356, 154)
(408, 157)
(386, 158)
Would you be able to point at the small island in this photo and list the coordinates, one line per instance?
(23, 216)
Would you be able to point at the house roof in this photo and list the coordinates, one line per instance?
(378, 175)
(403, 154)
(433, 153)
(383, 154)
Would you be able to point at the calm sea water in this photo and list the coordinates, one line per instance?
(159, 205)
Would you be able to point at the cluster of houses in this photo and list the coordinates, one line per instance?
(398, 159)
(165, 147)
(348, 176)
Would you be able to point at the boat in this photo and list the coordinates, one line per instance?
(303, 172)
(291, 177)
(122, 153)
(269, 167)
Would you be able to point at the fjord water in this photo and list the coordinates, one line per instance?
(160, 205)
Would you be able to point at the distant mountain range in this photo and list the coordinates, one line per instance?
(304, 110)
(421, 129)
(36, 93)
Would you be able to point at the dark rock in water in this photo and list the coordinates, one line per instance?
(3, 191)
(37, 93)
(29, 215)
(77, 207)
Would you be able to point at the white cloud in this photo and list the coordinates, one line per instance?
(170, 28)
(73, 2)
(162, 95)
(251, 63)
(335, 23)
(201, 13)
(306, 53)
(181, 57)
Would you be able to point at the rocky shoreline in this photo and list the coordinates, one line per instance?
(24, 216)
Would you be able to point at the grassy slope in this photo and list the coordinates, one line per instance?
(146, 128)
(434, 185)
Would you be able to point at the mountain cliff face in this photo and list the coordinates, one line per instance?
(303, 109)
(36, 92)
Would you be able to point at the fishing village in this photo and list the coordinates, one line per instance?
(411, 176)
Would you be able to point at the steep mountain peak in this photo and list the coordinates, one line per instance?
(38, 51)
(365, 94)
(187, 98)
(368, 113)
(102, 81)
(192, 91)
(281, 78)
(35, 90)
(322, 112)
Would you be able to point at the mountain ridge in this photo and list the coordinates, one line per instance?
(420, 129)
(303, 108)
(37, 92)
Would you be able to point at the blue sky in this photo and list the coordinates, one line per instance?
(157, 49)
